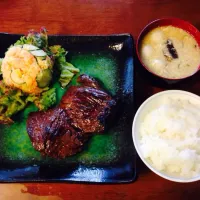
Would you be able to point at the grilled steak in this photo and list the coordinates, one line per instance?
(62, 131)
(87, 105)
(52, 134)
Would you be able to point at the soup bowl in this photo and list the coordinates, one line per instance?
(175, 22)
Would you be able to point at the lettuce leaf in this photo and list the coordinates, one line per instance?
(67, 70)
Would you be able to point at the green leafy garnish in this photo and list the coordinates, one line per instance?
(15, 100)
(46, 100)
(67, 70)
(39, 40)
(11, 102)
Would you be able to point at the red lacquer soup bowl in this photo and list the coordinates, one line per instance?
(179, 23)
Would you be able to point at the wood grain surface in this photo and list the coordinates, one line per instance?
(103, 17)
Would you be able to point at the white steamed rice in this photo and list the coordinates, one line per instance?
(170, 138)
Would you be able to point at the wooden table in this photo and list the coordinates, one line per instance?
(101, 17)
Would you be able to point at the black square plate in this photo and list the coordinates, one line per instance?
(108, 157)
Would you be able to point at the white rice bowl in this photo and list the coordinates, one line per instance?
(166, 135)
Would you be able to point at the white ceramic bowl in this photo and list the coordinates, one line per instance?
(150, 104)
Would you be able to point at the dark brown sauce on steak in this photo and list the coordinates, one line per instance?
(62, 131)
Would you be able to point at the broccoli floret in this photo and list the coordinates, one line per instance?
(11, 102)
(46, 100)
(16, 102)
(67, 70)
(31, 98)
